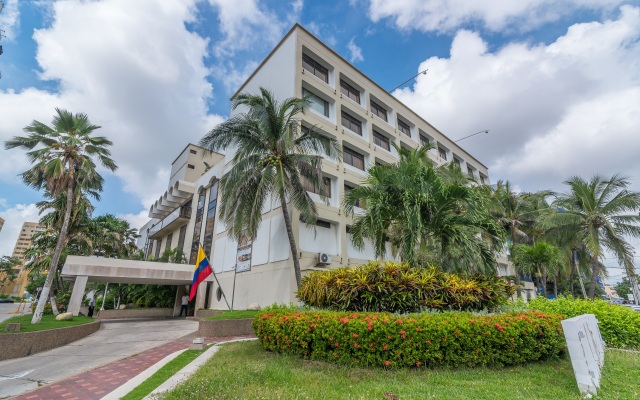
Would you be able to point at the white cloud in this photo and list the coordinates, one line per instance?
(557, 110)
(14, 218)
(136, 221)
(495, 15)
(10, 19)
(355, 51)
(135, 70)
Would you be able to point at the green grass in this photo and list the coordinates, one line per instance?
(245, 371)
(161, 375)
(240, 314)
(48, 322)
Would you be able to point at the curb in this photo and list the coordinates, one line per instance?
(189, 369)
(132, 383)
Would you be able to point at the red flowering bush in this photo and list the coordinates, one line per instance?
(419, 340)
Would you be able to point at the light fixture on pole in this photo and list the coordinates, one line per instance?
(473, 134)
(410, 79)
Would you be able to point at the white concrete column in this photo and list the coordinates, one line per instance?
(178, 303)
(77, 294)
(212, 294)
(201, 295)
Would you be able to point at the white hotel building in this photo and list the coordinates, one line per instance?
(346, 104)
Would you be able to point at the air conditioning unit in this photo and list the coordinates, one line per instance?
(324, 259)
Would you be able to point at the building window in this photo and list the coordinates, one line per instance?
(315, 68)
(352, 158)
(158, 245)
(442, 153)
(191, 166)
(483, 179)
(308, 186)
(404, 128)
(197, 229)
(323, 224)
(381, 141)
(347, 189)
(169, 240)
(470, 171)
(316, 103)
(424, 140)
(211, 219)
(192, 151)
(457, 162)
(351, 123)
(181, 236)
(378, 111)
(350, 91)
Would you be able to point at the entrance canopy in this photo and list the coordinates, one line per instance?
(112, 270)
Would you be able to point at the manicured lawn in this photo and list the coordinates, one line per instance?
(245, 371)
(240, 314)
(161, 375)
(48, 322)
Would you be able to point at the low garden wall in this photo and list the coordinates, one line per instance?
(136, 313)
(22, 344)
(416, 340)
(225, 327)
(207, 313)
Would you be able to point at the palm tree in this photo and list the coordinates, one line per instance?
(600, 213)
(420, 210)
(273, 155)
(62, 157)
(514, 211)
(541, 258)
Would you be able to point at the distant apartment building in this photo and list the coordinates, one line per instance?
(23, 243)
(345, 104)
(1, 223)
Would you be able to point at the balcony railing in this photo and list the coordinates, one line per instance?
(182, 212)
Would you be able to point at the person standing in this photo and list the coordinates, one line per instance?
(92, 306)
(185, 306)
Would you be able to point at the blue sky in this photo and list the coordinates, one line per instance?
(556, 83)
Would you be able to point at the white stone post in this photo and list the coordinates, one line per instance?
(77, 294)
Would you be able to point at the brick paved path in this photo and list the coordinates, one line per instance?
(97, 383)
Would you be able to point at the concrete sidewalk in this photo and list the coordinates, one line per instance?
(116, 340)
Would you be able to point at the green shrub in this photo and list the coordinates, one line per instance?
(417, 340)
(619, 325)
(396, 287)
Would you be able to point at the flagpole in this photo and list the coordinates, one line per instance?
(220, 286)
(233, 293)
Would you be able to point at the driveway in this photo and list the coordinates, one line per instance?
(116, 339)
(8, 310)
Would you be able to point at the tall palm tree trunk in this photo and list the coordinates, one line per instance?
(292, 241)
(44, 295)
(513, 252)
(571, 276)
(594, 278)
(543, 283)
(555, 286)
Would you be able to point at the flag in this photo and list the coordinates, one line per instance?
(202, 270)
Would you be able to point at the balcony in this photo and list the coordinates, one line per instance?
(172, 221)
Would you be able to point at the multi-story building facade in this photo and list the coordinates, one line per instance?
(345, 104)
(1, 223)
(23, 243)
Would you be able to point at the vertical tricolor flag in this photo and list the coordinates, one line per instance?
(202, 270)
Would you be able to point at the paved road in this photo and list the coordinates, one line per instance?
(7, 310)
(115, 340)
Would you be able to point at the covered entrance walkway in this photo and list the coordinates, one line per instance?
(95, 269)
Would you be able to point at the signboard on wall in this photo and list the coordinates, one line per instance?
(243, 259)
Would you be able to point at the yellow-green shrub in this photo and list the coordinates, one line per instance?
(619, 325)
(418, 340)
(396, 287)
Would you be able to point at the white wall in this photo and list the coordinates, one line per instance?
(279, 241)
(323, 240)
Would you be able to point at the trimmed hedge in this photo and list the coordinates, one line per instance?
(418, 340)
(619, 325)
(396, 287)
